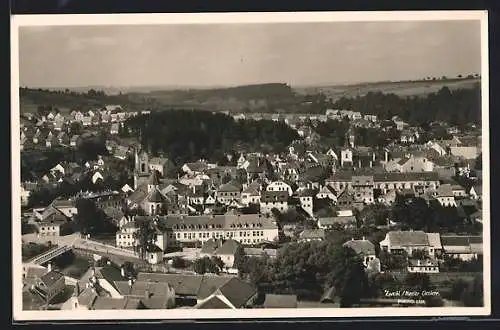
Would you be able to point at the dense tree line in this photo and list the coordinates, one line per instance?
(470, 293)
(213, 265)
(457, 107)
(308, 269)
(415, 213)
(191, 135)
(91, 219)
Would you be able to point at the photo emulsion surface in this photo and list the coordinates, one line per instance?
(254, 167)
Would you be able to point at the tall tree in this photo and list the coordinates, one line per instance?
(349, 277)
(145, 237)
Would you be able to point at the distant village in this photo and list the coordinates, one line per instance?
(182, 229)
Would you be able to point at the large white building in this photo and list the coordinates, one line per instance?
(247, 229)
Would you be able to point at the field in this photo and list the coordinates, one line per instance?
(417, 88)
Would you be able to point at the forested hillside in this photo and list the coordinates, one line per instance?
(457, 107)
(187, 135)
(273, 97)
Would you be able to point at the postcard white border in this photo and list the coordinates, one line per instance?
(228, 18)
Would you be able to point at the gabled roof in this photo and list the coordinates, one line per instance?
(51, 278)
(213, 303)
(364, 247)
(210, 246)
(197, 166)
(312, 234)
(229, 187)
(158, 161)
(274, 196)
(458, 240)
(53, 215)
(434, 240)
(105, 303)
(280, 301)
(408, 238)
(237, 291)
(444, 190)
(339, 220)
(229, 247)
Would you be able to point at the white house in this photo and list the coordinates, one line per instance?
(327, 191)
(364, 248)
(423, 266)
(97, 176)
(445, 195)
(410, 241)
(273, 199)
(280, 186)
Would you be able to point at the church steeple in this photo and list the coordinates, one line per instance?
(349, 138)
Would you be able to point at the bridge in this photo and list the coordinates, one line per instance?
(49, 255)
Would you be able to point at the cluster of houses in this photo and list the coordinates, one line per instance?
(111, 287)
(239, 201)
(53, 129)
(219, 209)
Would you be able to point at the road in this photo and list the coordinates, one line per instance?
(76, 241)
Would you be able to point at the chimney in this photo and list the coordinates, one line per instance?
(352, 238)
(364, 239)
(49, 267)
(418, 262)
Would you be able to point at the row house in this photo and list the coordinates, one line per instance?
(362, 188)
(227, 193)
(279, 186)
(273, 199)
(251, 194)
(306, 197)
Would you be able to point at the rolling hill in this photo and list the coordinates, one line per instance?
(401, 88)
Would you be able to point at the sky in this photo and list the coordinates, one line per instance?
(204, 55)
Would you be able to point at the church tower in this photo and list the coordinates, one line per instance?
(154, 181)
(141, 171)
(346, 154)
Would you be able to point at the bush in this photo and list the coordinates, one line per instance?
(178, 262)
(31, 250)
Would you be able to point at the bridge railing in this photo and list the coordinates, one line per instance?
(40, 259)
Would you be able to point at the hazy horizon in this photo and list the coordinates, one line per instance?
(227, 55)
